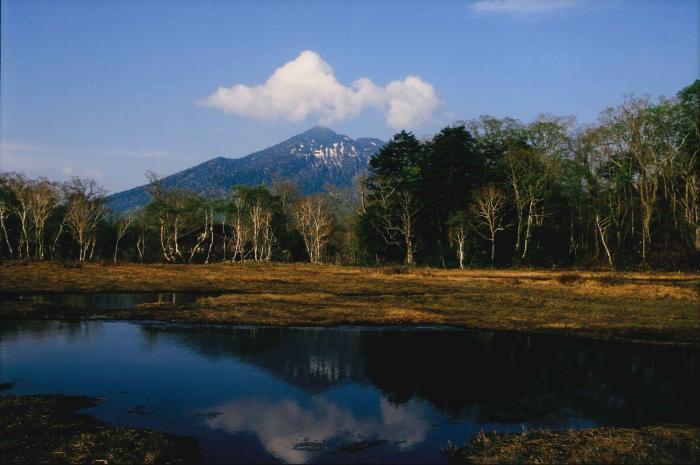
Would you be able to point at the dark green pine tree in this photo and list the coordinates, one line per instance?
(398, 161)
(449, 167)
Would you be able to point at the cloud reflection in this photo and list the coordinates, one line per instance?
(297, 433)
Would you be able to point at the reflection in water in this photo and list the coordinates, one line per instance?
(497, 376)
(346, 395)
(298, 433)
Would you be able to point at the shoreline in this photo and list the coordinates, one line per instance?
(88, 316)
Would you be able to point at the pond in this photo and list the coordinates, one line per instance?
(345, 395)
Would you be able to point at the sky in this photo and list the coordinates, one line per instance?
(110, 89)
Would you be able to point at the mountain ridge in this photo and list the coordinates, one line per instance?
(311, 160)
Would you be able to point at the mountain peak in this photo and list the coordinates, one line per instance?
(320, 133)
(311, 160)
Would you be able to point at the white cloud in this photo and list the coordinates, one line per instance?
(521, 6)
(306, 86)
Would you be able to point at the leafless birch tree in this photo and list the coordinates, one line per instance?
(314, 223)
(397, 213)
(121, 226)
(84, 210)
(19, 186)
(489, 203)
(42, 198)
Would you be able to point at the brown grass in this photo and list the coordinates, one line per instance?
(666, 444)
(651, 307)
(47, 429)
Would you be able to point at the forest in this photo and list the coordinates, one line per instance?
(622, 193)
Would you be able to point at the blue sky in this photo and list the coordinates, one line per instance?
(109, 89)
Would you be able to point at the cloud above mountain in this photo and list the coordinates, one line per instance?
(307, 87)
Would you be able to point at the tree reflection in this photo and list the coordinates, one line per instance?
(493, 376)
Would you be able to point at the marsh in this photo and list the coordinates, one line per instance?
(346, 394)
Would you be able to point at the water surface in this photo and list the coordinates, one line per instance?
(344, 395)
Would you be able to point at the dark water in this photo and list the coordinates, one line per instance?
(345, 395)
(107, 301)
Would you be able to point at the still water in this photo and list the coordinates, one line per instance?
(252, 394)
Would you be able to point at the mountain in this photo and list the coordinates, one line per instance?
(311, 160)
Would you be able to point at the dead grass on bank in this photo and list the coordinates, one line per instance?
(47, 429)
(666, 444)
(658, 307)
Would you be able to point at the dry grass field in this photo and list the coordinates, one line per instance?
(648, 307)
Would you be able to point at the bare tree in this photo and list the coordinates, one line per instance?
(19, 186)
(210, 231)
(314, 223)
(172, 208)
(84, 210)
(458, 226)
(240, 228)
(257, 212)
(488, 206)
(268, 236)
(142, 227)
(530, 170)
(690, 199)
(155, 189)
(397, 213)
(529, 173)
(122, 226)
(608, 186)
(206, 233)
(4, 213)
(54, 245)
(42, 198)
(179, 204)
(645, 133)
(602, 225)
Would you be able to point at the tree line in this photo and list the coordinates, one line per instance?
(621, 193)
